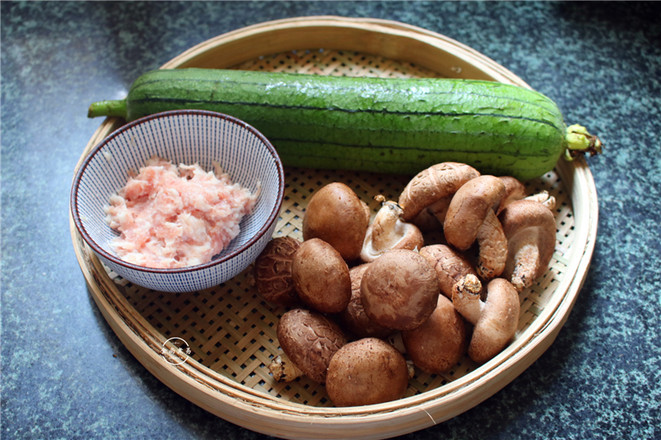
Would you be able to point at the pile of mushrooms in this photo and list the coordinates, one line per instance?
(358, 280)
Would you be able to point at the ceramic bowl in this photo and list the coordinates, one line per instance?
(183, 137)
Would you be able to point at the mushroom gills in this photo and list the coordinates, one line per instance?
(389, 231)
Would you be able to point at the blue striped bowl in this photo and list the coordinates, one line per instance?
(182, 136)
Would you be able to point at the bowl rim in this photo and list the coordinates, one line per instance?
(265, 228)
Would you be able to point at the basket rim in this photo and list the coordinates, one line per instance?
(249, 406)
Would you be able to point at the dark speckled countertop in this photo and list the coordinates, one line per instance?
(66, 375)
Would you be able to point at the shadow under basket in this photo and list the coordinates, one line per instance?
(213, 347)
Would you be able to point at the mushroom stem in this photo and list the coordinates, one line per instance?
(524, 270)
(493, 247)
(283, 369)
(531, 233)
(497, 321)
(466, 298)
(387, 228)
(544, 198)
(410, 366)
(388, 231)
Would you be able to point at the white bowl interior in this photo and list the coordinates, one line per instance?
(186, 137)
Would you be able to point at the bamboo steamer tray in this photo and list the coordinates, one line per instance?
(213, 347)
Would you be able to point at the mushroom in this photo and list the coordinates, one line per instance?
(449, 264)
(440, 342)
(495, 319)
(514, 190)
(284, 369)
(472, 218)
(544, 198)
(272, 271)
(321, 276)
(433, 216)
(308, 340)
(353, 318)
(433, 187)
(427, 221)
(530, 230)
(399, 289)
(336, 215)
(388, 231)
(365, 372)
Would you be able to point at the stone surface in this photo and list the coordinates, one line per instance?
(66, 375)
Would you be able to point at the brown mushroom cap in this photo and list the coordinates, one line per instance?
(432, 184)
(439, 209)
(336, 215)
(449, 264)
(365, 372)
(440, 342)
(432, 217)
(496, 319)
(469, 207)
(309, 339)
(514, 190)
(399, 289)
(388, 231)
(472, 217)
(531, 234)
(427, 221)
(321, 276)
(272, 271)
(354, 319)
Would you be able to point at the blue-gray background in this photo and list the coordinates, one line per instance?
(66, 375)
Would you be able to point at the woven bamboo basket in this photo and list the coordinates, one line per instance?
(213, 347)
